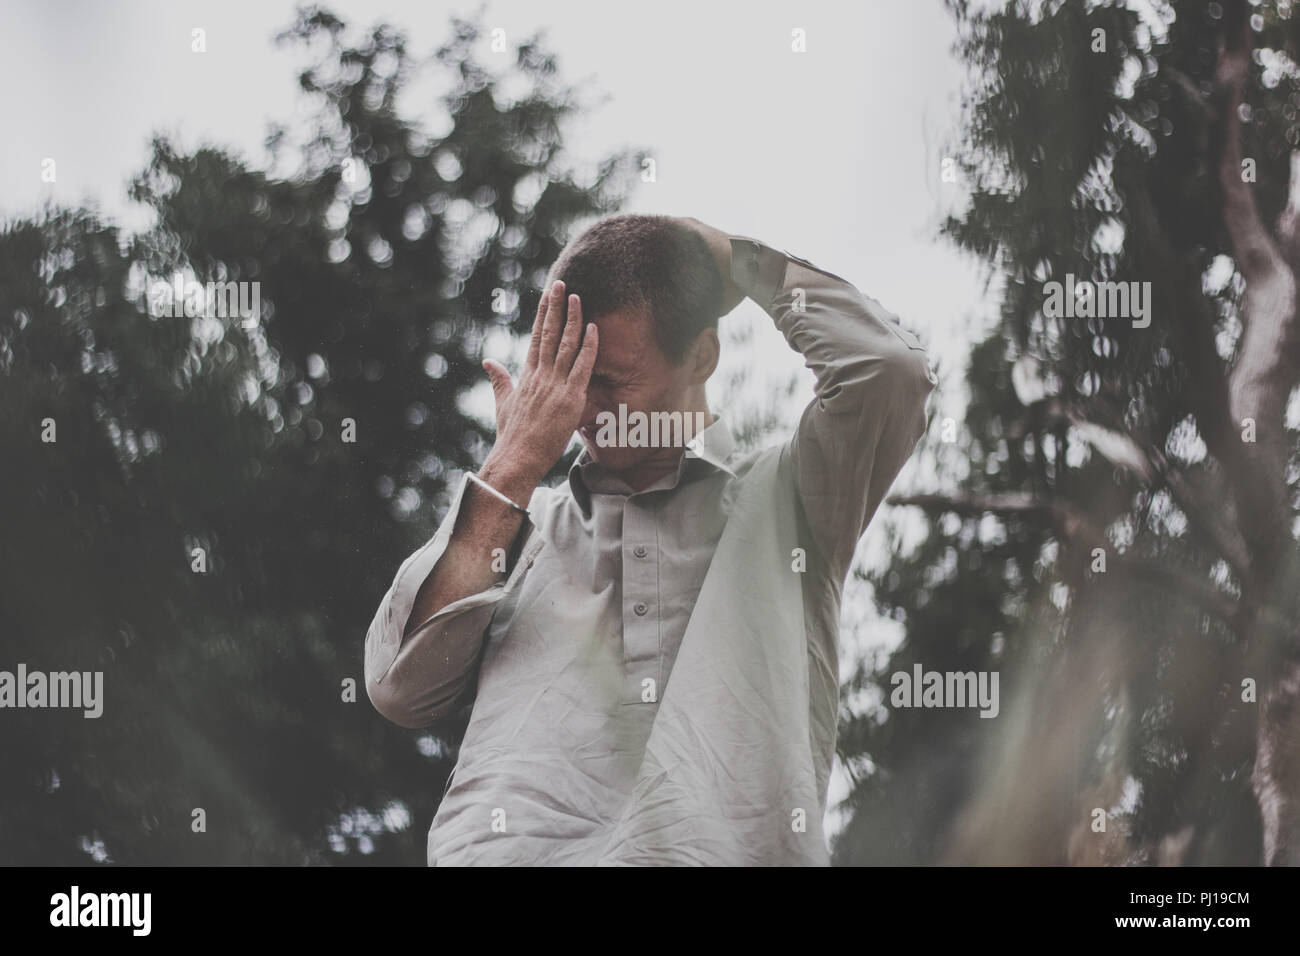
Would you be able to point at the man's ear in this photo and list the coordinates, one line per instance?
(704, 354)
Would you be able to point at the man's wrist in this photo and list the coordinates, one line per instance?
(517, 482)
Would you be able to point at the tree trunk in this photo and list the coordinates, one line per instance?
(1258, 388)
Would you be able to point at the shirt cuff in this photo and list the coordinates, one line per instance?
(759, 270)
(417, 568)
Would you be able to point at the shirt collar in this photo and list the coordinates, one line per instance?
(713, 447)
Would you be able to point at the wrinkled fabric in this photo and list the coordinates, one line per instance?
(655, 680)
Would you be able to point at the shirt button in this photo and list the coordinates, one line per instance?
(639, 551)
(640, 609)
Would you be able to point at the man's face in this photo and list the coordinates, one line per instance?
(630, 370)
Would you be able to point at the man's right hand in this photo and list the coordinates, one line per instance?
(536, 420)
(537, 417)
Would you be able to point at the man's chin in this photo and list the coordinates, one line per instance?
(611, 459)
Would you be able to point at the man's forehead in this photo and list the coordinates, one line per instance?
(625, 339)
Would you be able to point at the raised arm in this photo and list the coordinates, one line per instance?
(424, 642)
(872, 381)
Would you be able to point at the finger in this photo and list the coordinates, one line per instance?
(572, 336)
(551, 325)
(535, 340)
(500, 379)
(586, 360)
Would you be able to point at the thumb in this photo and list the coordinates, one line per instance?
(500, 379)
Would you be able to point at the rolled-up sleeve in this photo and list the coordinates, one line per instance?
(430, 672)
(872, 382)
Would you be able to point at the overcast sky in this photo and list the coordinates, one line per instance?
(833, 154)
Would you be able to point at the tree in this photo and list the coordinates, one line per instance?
(1136, 499)
(229, 497)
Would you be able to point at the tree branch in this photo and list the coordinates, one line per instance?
(1256, 253)
(1151, 466)
(963, 503)
(1080, 531)
(1260, 382)
(1191, 92)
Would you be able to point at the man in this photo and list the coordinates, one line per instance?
(650, 652)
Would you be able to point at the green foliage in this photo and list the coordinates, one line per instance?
(223, 689)
(1121, 693)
